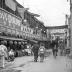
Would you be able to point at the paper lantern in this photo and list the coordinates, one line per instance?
(10, 42)
(19, 43)
(23, 43)
(15, 42)
(5, 42)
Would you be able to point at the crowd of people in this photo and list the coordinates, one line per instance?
(37, 49)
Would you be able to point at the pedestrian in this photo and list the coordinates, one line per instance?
(42, 52)
(55, 51)
(54, 48)
(35, 51)
(11, 55)
(61, 47)
(3, 54)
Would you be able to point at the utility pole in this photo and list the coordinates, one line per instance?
(70, 22)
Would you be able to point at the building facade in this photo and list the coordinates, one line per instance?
(57, 31)
(11, 25)
(70, 28)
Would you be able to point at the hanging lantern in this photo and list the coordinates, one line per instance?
(10, 42)
(19, 43)
(15, 42)
(2, 42)
(23, 43)
(5, 42)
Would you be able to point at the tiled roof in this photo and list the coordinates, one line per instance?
(57, 27)
(18, 4)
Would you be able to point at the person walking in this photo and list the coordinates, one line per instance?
(54, 48)
(3, 54)
(61, 47)
(35, 51)
(42, 52)
(11, 55)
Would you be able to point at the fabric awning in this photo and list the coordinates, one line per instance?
(11, 38)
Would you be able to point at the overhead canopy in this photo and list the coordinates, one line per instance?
(57, 27)
(10, 38)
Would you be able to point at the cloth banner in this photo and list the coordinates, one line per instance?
(11, 4)
(21, 11)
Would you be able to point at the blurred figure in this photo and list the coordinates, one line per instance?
(42, 52)
(3, 53)
(54, 48)
(31, 50)
(11, 55)
(35, 52)
(61, 47)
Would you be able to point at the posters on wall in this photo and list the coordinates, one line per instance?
(9, 21)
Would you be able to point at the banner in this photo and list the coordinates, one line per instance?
(11, 4)
(21, 11)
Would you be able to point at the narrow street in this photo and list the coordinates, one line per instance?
(35, 27)
(26, 64)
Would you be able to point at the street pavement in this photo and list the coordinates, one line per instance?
(26, 64)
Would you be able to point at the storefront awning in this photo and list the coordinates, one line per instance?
(31, 40)
(11, 38)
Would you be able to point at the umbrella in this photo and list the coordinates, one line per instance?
(36, 45)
